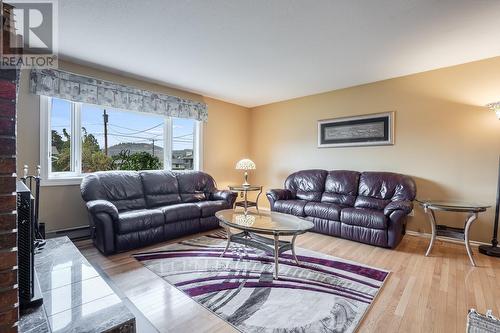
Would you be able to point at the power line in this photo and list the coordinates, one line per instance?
(182, 136)
(127, 136)
(174, 139)
(148, 129)
(127, 128)
(136, 131)
(131, 136)
(143, 138)
(182, 141)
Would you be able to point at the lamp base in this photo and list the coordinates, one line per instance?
(245, 184)
(489, 250)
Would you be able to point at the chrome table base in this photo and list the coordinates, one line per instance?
(274, 246)
(457, 233)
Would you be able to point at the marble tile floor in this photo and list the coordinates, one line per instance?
(76, 297)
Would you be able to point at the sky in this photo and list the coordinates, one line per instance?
(123, 126)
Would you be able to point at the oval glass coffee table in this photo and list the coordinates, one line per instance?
(472, 211)
(251, 225)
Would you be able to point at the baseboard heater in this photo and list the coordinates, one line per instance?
(77, 233)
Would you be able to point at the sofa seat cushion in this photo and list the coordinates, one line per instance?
(179, 212)
(371, 236)
(138, 220)
(209, 208)
(368, 218)
(293, 207)
(132, 240)
(327, 227)
(323, 210)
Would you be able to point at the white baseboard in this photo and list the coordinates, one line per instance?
(445, 239)
(426, 235)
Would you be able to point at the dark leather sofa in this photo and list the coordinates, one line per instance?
(368, 207)
(129, 209)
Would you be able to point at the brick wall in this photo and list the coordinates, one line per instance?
(9, 312)
(8, 232)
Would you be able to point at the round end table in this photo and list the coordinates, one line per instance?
(245, 203)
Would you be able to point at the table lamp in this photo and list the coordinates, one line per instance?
(493, 249)
(245, 164)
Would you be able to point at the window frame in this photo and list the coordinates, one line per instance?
(75, 176)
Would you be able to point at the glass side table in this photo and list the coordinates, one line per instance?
(472, 210)
(245, 203)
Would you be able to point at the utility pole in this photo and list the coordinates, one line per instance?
(105, 116)
(153, 146)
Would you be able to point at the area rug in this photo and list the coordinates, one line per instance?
(323, 294)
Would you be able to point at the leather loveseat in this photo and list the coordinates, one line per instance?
(129, 209)
(368, 207)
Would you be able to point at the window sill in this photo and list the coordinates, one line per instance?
(63, 181)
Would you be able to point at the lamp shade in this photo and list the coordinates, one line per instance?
(245, 164)
(495, 107)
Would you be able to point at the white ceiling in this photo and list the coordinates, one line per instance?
(254, 52)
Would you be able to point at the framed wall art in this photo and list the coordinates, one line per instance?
(366, 130)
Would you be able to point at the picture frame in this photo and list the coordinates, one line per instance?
(375, 129)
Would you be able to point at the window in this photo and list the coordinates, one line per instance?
(60, 131)
(78, 138)
(183, 132)
(120, 140)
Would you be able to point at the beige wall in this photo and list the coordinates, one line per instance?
(225, 142)
(445, 139)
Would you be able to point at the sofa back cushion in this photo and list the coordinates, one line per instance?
(195, 185)
(160, 188)
(341, 187)
(123, 188)
(307, 184)
(377, 189)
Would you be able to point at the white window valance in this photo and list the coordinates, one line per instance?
(79, 88)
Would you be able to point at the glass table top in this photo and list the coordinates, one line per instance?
(452, 204)
(244, 188)
(264, 222)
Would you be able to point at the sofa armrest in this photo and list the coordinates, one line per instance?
(102, 206)
(279, 194)
(404, 206)
(228, 196)
(396, 211)
(102, 217)
(274, 195)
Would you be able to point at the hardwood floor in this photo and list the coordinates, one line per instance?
(422, 294)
